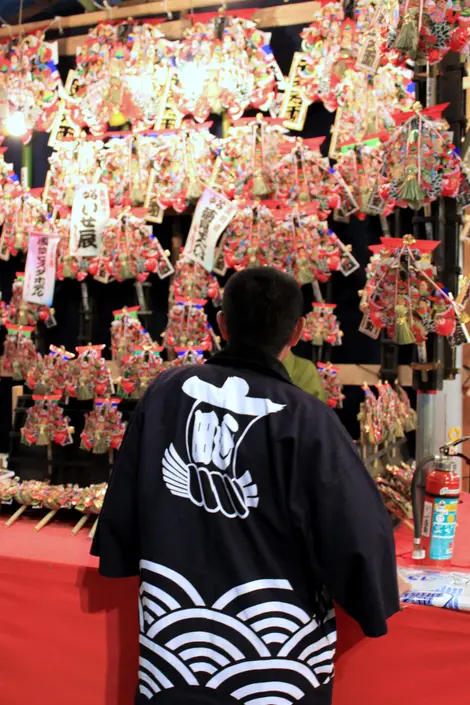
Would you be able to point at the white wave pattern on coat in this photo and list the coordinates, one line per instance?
(254, 642)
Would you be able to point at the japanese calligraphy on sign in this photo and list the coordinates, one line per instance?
(169, 117)
(155, 212)
(212, 215)
(90, 215)
(63, 129)
(294, 106)
(39, 277)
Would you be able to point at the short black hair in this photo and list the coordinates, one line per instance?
(262, 307)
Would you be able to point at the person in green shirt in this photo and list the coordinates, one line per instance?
(305, 375)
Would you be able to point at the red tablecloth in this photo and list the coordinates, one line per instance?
(69, 637)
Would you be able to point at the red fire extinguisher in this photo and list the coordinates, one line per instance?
(441, 498)
(435, 497)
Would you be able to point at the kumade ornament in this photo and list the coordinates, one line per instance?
(72, 164)
(48, 374)
(21, 313)
(402, 297)
(19, 351)
(28, 494)
(193, 281)
(89, 375)
(45, 423)
(248, 240)
(127, 333)
(428, 29)
(182, 167)
(186, 356)
(370, 420)
(224, 63)
(188, 326)
(90, 503)
(329, 45)
(303, 175)
(331, 384)
(123, 75)
(31, 82)
(247, 163)
(23, 212)
(367, 102)
(129, 250)
(394, 484)
(138, 369)
(124, 164)
(321, 325)
(104, 428)
(360, 167)
(420, 162)
(54, 498)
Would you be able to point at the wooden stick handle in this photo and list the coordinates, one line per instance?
(92, 533)
(16, 515)
(45, 520)
(80, 523)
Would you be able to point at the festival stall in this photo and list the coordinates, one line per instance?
(181, 149)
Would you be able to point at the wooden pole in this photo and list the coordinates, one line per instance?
(79, 525)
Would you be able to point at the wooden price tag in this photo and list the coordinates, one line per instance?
(154, 212)
(369, 56)
(368, 328)
(169, 117)
(63, 129)
(294, 105)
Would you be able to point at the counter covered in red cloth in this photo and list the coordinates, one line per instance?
(69, 637)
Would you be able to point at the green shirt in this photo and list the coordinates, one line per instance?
(305, 375)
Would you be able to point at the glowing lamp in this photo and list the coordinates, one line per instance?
(15, 124)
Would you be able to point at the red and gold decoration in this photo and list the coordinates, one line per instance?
(224, 63)
(104, 428)
(46, 423)
(321, 326)
(138, 369)
(402, 297)
(30, 80)
(331, 384)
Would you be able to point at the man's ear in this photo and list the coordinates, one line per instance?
(298, 330)
(223, 325)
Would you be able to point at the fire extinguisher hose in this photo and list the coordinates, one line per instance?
(418, 485)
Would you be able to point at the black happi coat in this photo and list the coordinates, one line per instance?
(242, 503)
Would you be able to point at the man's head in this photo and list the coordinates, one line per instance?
(262, 308)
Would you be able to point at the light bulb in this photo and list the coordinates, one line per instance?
(16, 124)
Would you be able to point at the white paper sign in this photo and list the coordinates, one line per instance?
(39, 276)
(212, 215)
(90, 215)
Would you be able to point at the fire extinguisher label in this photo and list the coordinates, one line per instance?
(427, 515)
(444, 518)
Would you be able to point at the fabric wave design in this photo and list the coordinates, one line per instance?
(254, 643)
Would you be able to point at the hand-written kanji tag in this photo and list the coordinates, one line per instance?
(90, 215)
(39, 278)
(212, 215)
